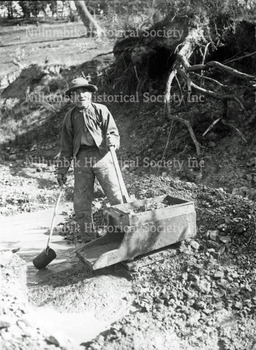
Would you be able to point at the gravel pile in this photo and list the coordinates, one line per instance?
(202, 294)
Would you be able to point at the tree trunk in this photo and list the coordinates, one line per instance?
(10, 10)
(87, 18)
(53, 7)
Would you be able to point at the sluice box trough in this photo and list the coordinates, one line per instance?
(140, 227)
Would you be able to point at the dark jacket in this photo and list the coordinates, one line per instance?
(99, 122)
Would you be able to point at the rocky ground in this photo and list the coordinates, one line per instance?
(197, 294)
(25, 189)
(202, 294)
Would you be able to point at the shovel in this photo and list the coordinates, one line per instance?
(123, 190)
(48, 254)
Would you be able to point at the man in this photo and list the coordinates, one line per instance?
(88, 131)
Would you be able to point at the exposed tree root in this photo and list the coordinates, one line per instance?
(140, 60)
(221, 67)
(191, 132)
(183, 68)
(236, 129)
(211, 126)
(216, 95)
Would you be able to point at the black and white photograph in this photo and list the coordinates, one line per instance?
(128, 175)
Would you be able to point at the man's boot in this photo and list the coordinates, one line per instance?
(87, 233)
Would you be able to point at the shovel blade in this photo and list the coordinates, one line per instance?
(44, 258)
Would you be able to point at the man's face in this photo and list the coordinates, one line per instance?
(81, 97)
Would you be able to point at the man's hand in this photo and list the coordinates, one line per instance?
(112, 140)
(62, 179)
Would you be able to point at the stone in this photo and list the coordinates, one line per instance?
(193, 277)
(223, 315)
(212, 234)
(52, 340)
(218, 274)
(194, 244)
(193, 320)
(219, 306)
(198, 305)
(225, 239)
(234, 274)
(238, 305)
(184, 276)
(207, 311)
(211, 251)
(204, 286)
(213, 244)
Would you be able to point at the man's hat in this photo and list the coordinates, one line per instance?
(80, 83)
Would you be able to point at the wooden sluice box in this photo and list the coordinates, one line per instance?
(140, 227)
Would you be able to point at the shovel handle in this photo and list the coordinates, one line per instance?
(123, 190)
(53, 218)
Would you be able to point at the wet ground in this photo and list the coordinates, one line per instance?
(28, 232)
(65, 299)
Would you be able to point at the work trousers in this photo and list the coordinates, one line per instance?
(90, 163)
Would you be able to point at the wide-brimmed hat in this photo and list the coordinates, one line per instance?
(80, 83)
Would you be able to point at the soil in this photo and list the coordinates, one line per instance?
(149, 207)
(37, 45)
(198, 293)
